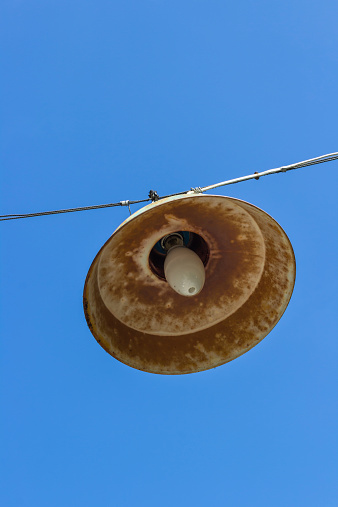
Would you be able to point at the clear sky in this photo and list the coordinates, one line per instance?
(102, 101)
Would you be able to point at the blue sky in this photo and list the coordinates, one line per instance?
(103, 101)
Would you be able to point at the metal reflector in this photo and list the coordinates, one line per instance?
(249, 276)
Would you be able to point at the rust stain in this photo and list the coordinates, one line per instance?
(131, 291)
(142, 322)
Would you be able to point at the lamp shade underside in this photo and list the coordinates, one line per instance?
(140, 320)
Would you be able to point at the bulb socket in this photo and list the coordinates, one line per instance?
(171, 240)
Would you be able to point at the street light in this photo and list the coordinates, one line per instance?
(188, 283)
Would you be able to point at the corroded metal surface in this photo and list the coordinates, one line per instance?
(140, 320)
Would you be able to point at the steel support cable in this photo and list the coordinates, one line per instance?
(305, 163)
(283, 169)
(71, 210)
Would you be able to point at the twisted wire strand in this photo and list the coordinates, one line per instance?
(71, 210)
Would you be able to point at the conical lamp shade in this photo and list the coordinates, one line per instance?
(140, 320)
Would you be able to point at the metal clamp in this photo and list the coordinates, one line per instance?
(153, 195)
(126, 203)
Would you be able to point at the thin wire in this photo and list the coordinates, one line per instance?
(305, 163)
(71, 210)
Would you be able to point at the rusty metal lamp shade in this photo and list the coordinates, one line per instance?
(140, 320)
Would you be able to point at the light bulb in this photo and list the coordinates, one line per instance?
(184, 271)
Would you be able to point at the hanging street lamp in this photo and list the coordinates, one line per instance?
(189, 283)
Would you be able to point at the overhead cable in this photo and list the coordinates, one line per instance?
(71, 210)
(153, 196)
(283, 169)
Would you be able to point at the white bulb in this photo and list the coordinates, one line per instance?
(184, 271)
